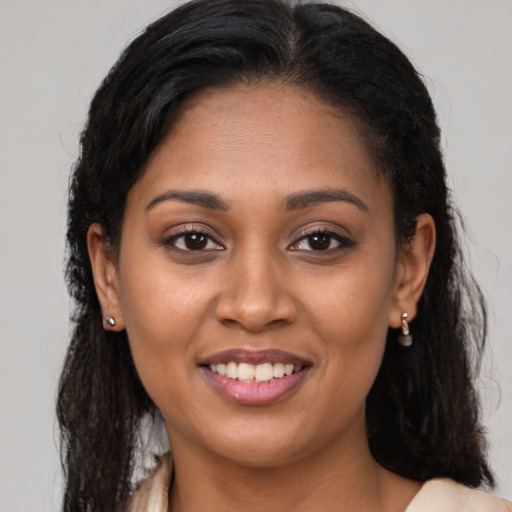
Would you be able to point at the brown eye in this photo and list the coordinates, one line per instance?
(319, 241)
(193, 241)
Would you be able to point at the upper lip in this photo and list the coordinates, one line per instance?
(251, 356)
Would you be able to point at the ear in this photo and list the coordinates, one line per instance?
(105, 277)
(412, 270)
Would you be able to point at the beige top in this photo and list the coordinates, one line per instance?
(444, 495)
(439, 495)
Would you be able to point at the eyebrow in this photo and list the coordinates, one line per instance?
(314, 197)
(197, 197)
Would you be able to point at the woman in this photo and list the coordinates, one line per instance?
(264, 257)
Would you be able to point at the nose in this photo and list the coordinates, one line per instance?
(256, 294)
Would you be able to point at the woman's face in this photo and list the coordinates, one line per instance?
(258, 242)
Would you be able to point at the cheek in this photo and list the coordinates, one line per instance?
(157, 298)
(351, 316)
(355, 303)
(354, 338)
(163, 312)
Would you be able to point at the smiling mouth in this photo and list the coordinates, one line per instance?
(246, 372)
(255, 377)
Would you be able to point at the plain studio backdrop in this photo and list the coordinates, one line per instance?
(53, 56)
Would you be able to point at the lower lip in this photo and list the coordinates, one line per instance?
(255, 393)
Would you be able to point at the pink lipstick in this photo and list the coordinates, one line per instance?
(255, 377)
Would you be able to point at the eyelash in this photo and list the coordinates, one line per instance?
(188, 233)
(343, 242)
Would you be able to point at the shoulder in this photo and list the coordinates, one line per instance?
(152, 493)
(444, 495)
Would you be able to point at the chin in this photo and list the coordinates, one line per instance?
(263, 447)
(257, 455)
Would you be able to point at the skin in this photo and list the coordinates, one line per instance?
(261, 282)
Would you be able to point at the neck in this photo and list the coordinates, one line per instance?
(342, 476)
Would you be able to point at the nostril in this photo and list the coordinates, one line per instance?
(228, 322)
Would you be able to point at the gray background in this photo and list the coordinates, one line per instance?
(53, 55)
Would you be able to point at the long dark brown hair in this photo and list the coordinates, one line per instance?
(422, 412)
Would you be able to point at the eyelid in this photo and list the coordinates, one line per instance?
(326, 227)
(344, 241)
(186, 229)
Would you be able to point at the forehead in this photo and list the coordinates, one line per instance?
(270, 116)
(261, 137)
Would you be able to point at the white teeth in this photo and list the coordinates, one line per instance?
(264, 372)
(232, 370)
(246, 372)
(279, 370)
